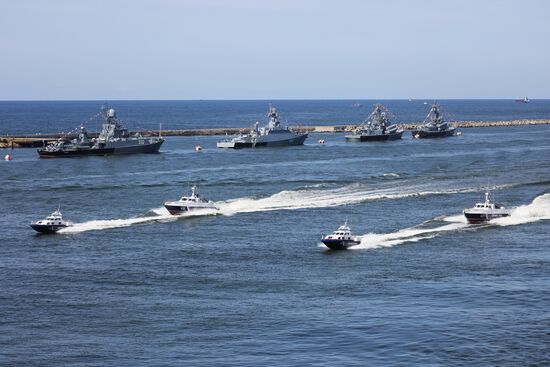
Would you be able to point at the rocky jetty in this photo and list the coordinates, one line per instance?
(39, 140)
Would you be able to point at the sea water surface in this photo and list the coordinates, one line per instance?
(130, 285)
(30, 117)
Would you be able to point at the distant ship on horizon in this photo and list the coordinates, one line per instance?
(523, 100)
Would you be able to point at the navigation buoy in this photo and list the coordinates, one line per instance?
(198, 148)
(321, 141)
(8, 157)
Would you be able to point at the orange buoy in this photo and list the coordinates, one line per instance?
(8, 157)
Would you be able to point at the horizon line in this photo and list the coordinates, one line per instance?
(268, 99)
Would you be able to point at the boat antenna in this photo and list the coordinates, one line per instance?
(160, 130)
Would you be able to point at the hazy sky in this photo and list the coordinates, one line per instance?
(273, 49)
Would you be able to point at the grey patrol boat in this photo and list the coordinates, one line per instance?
(113, 139)
(377, 127)
(272, 135)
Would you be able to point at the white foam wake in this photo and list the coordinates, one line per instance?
(93, 225)
(319, 198)
(539, 209)
(284, 200)
(411, 234)
(160, 215)
(304, 199)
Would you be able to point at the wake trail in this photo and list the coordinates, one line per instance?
(537, 210)
(307, 199)
(284, 200)
(316, 198)
(156, 215)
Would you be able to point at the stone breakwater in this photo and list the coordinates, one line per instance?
(39, 140)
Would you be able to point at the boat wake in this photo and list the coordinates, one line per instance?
(538, 209)
(307, 199)
(321, 198)
(155, 215)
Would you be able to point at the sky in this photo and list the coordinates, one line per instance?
(273, 49)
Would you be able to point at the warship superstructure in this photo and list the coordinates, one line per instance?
(113, 139)
(272, 135)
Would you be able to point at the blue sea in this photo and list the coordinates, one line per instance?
(251, 284)
(24, 117)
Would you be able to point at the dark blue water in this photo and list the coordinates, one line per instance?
(129, 285)
(47, 117)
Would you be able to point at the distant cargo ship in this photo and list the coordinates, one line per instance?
(523, 100)
(113, 139)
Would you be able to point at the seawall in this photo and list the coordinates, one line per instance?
(38, 140)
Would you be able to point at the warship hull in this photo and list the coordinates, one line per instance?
(380, 137)
(131, 149)
(426, 134)
(296, 140)
(339, 244)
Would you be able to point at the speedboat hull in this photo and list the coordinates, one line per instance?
(374, 137)
(48, 228)
(175, 209)
(477, 218)
(335, 244)
(424, 134)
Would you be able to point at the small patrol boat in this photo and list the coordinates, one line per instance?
(484, 212)
(189, 203)
(341, 239)
(377, 127)
(434, 125)
(272, 135)
(51, 224)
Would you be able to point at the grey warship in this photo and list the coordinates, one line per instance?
(113, 139)
(272, 135)
(377, 127)
(434, 125)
